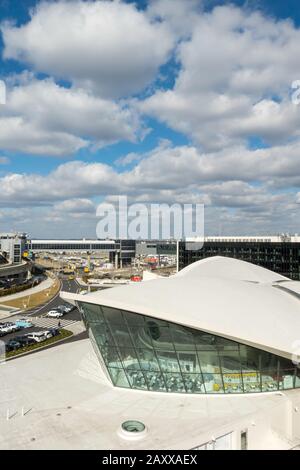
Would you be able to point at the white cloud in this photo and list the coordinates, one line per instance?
(107, 46)
(234, 81)
(79, 205)
(180, 15)
(43, 118)
(166, 171)
(240, 185)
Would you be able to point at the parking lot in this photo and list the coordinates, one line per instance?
(38, 316)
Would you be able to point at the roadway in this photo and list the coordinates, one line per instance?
(38, 316)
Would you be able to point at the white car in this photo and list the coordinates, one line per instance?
(39, 336)
(54, 314)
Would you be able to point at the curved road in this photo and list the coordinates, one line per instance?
(38, 315)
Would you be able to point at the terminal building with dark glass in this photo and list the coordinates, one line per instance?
(280, 254)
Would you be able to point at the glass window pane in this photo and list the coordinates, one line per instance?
(285, 363)
(113, 315)
(269, 379)
(137, 379)
(193, 383)
(92, 312)
(268, 361)
(168, 361)
(133, 319)
(182, 338)
(233, 382)
(174, 383)
(121, 335)
(160, 335)
(155, 381)
(226, 343)
(251, 381)
(286, 379)
(147, 359)
(209, 361)
(297, 379)
(129, 358)
(119, 378)
(188, 362)
(204, 340)
(111, 357)
(156, 320)
(213, 383)
(102, 334)
(230, 360)
(140, 336)
(249, 358)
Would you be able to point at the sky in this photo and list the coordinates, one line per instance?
(169, 101)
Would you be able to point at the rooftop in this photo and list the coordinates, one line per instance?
(68, 404)
(222, 296)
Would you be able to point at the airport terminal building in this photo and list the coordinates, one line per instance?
(232, 332)
(124, 250)
(280, 254)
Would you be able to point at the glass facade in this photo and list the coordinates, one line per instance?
(146, 353)
(280, 257)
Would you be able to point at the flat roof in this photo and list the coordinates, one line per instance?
(79, 241)
(247, 238)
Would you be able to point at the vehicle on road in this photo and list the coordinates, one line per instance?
(64, 308)
(54, 314)
(23, 323)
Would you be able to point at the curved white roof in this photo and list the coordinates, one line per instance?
(230, 268)
(225, 296)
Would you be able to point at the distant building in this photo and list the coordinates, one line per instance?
(12, 246)
(12, 266)
(280, 254)
(158, 247)
(123, 249)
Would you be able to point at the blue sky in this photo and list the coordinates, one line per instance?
(164, 101)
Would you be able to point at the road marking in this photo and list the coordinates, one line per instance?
(47, 322)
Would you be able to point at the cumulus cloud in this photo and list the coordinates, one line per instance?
(107, 46)
(78, 205)
(234, 81)
(41, 117)
(231, 88)
(166, 170)
(239, 185)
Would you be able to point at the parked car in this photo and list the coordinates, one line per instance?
(12, 345)
(54, 331)
(54, 314)
(8, 327)
(23, 323)
(39, 336)
(24, 340)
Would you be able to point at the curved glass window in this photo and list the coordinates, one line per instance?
(150, 354)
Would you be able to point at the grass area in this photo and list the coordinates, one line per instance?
(62, 335)
(34, 300)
